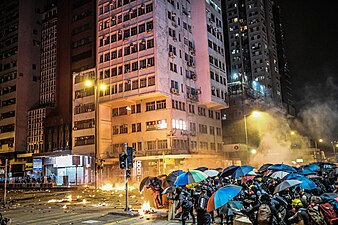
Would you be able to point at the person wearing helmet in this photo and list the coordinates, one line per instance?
(300, 216)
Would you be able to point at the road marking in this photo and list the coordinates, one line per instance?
(91, 221)
(121, 221)
(146, 221)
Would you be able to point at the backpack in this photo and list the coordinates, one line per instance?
(330, 215)
(202, 202)
(264, 214)
(314, 217)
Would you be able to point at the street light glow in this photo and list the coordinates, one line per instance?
(320, 140)
(293, 133)
(103, 87)
(256, 114)
(253, 151)
(88, 83)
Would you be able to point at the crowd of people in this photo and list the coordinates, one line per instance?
(258, 200)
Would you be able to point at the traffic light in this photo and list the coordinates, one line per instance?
(130, 153)
(128, 173)
(122, 158)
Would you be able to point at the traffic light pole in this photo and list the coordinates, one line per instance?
(126, 176)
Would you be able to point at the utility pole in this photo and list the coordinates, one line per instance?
(5, 187)
(126, 176)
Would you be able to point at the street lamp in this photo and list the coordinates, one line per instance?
(320, 140)
(102, 86)
(255, 114)
(334, 146)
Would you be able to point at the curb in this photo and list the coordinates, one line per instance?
(123, 213)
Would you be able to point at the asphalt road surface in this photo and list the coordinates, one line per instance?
(73, 207)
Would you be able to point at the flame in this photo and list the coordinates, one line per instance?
(107, 187)
(145, 207)
(52, 201)
(64, 207)
(120, 195)
(69, 198)
(84, 201)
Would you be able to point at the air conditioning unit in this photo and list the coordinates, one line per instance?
(174, 90)
(190, 96)
(193, 77)
(171, 55)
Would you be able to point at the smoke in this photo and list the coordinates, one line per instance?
(319, 114)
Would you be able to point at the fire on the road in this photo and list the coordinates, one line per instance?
(145, 209)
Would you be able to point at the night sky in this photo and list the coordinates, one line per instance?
(311, 43)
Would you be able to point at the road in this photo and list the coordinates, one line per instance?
(73, 207)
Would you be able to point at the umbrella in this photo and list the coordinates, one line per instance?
(219, 169)
(306, 184)
(280, 199)
(242, 171)
(312, 167)
(192, 176)
(286, 184)
(145, 181)
(203, 168)
(279, 175)
(305, 172)
(264, 167)
(283, 167)
(222, 196)
(329, 196)
(229, 171)
(211, 173)
(169, 190)
(170, 179)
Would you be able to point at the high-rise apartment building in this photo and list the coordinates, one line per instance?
(163, 64)
(20, 40)
(254, 64)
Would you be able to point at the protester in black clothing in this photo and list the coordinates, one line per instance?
(186, 202)
(203, 217)
(265, 211)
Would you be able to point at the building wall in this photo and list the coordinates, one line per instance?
(165, 88)
(20, 69)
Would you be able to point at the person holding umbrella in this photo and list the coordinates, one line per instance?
(203, 217)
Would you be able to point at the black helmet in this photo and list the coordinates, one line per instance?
(265, 198)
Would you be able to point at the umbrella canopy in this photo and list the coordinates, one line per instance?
(329, 196)
(192, 176)
(286, 184)
(170, 179)
(264, 167)
(280, 199)
(219, 169)
(145, 181)
(229, 171)
(283, 167)
(306, 184)
(242, 171)
(211, 173)
(203, 168)
(303, 171)
(222, 196)
(312, 166)
(279, 175)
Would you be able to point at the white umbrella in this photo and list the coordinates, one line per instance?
(279, 174)
(286, 184)
(211, 173)
(252, 173)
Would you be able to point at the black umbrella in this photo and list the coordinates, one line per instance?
(229, 171)
(203, 168)
(169, 190)
(145, 181)
(219, 169)
(264, 167)
(170, 179)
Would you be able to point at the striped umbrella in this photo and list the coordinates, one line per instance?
(192, 176)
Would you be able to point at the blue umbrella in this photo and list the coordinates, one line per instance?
(283, 167)
(242, 171)
(229, 171)
(306, 184)
(222, 196)
(312, 167)
(203, 168)
(305, 172)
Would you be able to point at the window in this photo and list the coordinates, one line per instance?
(150, 43)
(115, 130)
(143, 82)
(212, 130)
(151, 145)
(161, 104)
(134, 84)
(162, 144)
(151, 81)
(150, 106)
(149, 8)
(124, 129)
(151, 62)
(136, 127)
